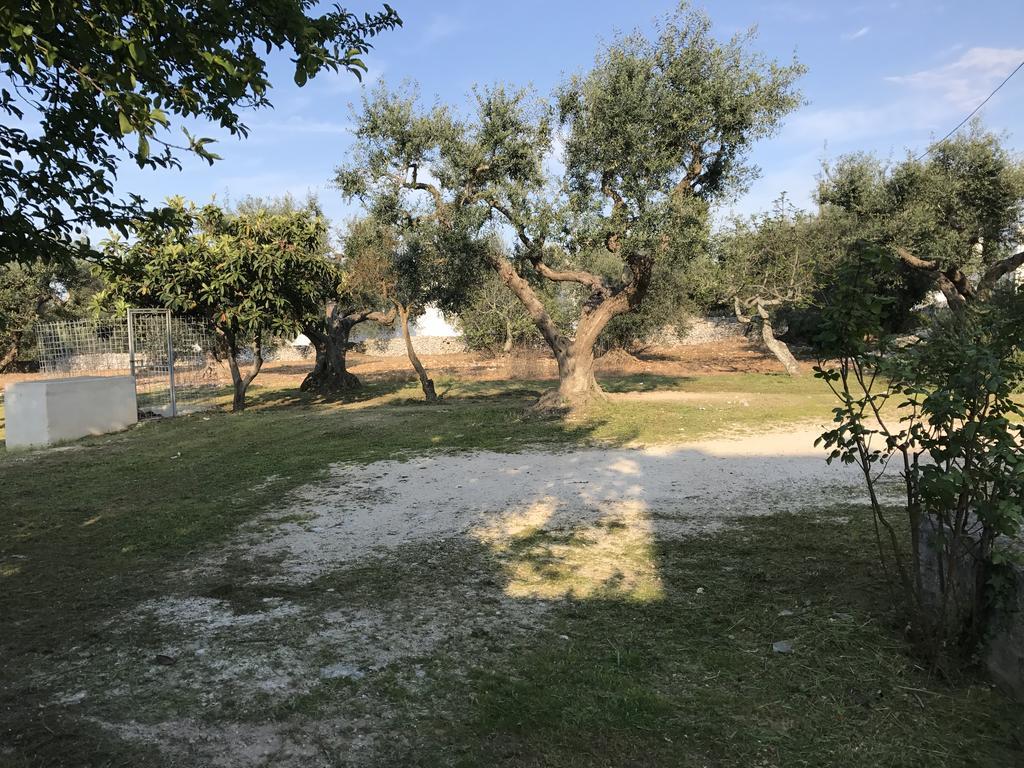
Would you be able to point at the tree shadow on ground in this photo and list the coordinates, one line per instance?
(295, 397)
(691, 678)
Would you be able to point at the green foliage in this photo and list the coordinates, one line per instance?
(653, 110)
(944, 408)
(38, 291)
(105, 80)
(388, 263)
(961, 207)
(668, 305)
(779, 258)
(247, 274)
(492, 319)
(659, 130)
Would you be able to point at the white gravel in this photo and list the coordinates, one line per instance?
(666, 490)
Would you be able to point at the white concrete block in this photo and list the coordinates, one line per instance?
(45, 412)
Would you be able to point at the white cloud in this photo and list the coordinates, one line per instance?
(856, 35)
(843, 124)
(926, 100)
(300, 125)
(966, 81)
(440, 27)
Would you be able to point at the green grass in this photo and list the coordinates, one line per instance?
(691, 679)
(90, 530)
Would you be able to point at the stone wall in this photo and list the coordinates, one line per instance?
(424, 345)
(701, 330)
(291, 352)
(1003, 652)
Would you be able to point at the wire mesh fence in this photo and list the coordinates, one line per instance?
(172, 358)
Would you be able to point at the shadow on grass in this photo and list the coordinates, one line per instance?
(639, 382)
(288, 398)
(692, 679)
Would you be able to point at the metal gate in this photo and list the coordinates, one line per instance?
(172, 359)
(173, 362)
(151, 361)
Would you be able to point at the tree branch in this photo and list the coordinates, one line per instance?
(953, 283)
(916, 262)
(992, 274)
(534, 252)
(424, 186)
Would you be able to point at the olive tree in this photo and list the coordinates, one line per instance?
(774, 261)
(492, 319)
(250, 275)
(653, 135)
(953, 218)
(359, 298)
(92, 85)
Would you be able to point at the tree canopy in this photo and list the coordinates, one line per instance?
(653, 135)
(104, 81)
(39, 291)
(775, 261)
(250, 275)
(953, 218)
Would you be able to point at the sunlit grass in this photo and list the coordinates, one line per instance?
(612, 558)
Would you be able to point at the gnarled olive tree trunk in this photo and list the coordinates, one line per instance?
(778, 348)
(766, 330)
(426, 382)
(574, 355)
(7, 358)
(330, 340)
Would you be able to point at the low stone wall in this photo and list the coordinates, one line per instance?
(701, 330)
(424, 345)
(1003, 652)
(292, 352)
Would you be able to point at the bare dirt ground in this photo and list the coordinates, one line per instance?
(729, 356)
(287, 645)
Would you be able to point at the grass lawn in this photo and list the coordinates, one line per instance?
(91, 530)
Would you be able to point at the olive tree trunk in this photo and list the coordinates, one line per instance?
(330, 339)
(426, 382)
(778, 348)
(763, 321)
(507, 346)
(574, 355)
(330, 373)
(8, 358)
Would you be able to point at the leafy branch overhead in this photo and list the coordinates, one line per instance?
(103, 83)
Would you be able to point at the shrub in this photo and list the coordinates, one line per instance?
(944, 408)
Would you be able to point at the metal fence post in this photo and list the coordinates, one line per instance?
(131, 348)
(170, 365)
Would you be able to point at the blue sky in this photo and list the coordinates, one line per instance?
(883, 77)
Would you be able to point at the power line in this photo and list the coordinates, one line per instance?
(973, 112)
